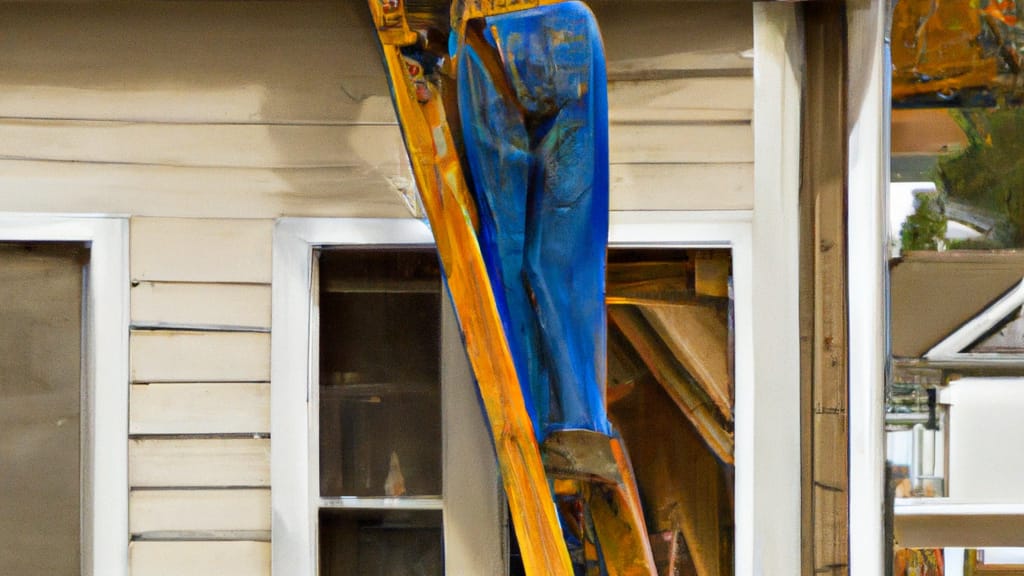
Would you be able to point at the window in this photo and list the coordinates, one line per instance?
(379, 397)
(63, 396)
(381, 460)
(361, 264)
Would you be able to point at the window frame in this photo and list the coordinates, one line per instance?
(293, 478)
(105, 356)
(295, 499)
(867, 182)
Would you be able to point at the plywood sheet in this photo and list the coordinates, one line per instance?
(201, 304)
(199, 462)
(177, 356)
(194, 250)
(203, 192)
(218, 408)
(199, 558)
(154, 512)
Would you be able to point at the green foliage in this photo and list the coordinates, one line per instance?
(989, 173)
(925, 229)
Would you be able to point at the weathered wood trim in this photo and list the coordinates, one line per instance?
(824, 289)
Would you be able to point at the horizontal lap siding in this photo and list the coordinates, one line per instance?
(199, 447)
(197, 109)
(228, 110)
(207, 120)
(680, 99)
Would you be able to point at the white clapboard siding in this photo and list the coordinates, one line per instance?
(203, 192)
(157, 513)
(199, 558)
(651, 36)
(227, 62)
(198, 462)
(373, 147)
(200, 408)
(378, 148)
(201, 304)
(682, 186)
(194, 250)
(681, 100)
(666, 144)
(184, 356)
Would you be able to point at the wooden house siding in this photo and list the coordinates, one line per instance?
(199, 414)
(234, 110)
(205, 121)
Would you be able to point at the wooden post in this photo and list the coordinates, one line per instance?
(823, 306)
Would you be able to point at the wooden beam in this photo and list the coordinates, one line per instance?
(823, 297)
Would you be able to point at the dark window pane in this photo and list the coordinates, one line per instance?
(381, 543)
(40, 408)
(380, 401)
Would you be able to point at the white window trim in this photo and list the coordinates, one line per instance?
(731, 230)
(774, 539)
(105, 472)
(294, 485)
(867, 185)
(294, 454)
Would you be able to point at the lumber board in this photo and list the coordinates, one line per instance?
(699, 338)
(194, 250)
(200, 408)
(203, 192)
(199, 462)
(201, 304)
(243, 558)
(183, 356)
(154, 512)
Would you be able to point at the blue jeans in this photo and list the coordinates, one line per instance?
(533, 107)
